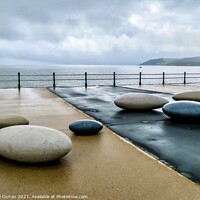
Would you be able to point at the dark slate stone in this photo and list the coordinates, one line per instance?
(182, 110)
(85, 127)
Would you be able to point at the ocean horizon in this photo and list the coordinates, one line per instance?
(73, 75)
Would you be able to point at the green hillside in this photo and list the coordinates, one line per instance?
(192, 61)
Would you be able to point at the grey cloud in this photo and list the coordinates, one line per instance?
(9, 30)
(91, 32)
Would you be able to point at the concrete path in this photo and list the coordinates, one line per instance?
(169, 88)
(98, 167)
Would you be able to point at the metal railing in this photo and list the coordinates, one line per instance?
(63, 80)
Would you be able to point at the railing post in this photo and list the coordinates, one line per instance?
(140, 78)
(54, 80)
(19, 82)
(114, 82)
(163, 78)
(85, 79)
(184, 81)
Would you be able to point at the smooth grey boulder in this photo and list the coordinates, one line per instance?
(182, 110)
(192, 96)
(11, 120)
(85, 127)
(139, 101)
(28, 143)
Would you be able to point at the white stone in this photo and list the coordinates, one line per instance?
(139, 101)
(29, 143)
(11, 120)
(192, 96)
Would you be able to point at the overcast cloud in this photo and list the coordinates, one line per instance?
(97, 32)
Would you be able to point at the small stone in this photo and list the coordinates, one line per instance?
(28, 143)
(192, 96)
(12, 120)
(85, 127)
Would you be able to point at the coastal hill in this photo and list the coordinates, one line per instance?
(192, 61)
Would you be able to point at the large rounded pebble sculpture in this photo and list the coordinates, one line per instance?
(139, 101)
(86, 127)
(11, 120)
(182, 110)
(28, 143)
(192, 96)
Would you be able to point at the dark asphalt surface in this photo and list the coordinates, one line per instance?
(174, 143)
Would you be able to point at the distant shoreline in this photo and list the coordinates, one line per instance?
(191, 61)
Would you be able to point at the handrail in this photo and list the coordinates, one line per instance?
(94, 78)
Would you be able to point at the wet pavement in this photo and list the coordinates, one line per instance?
(100, 167)
(173, 143)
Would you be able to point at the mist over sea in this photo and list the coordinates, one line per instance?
(42, 75)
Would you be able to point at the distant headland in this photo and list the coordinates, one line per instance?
(191, 61)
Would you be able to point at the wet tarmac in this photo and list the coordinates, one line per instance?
(173, 143)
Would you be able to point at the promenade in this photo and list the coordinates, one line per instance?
(170, 88)
(103, 166)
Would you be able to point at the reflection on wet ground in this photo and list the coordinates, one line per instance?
(174, 143)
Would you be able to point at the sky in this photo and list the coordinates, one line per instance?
(97, 32)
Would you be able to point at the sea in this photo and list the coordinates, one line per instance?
(74, 75)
